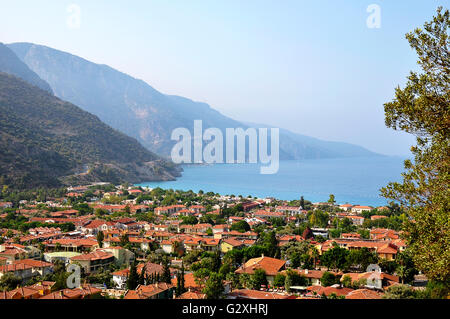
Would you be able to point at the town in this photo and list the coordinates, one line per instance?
(138, 243)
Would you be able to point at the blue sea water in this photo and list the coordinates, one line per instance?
(352, 180)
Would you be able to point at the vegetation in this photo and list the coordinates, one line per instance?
(44, 139)
(422, 108)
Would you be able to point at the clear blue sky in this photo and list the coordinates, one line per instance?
(313, 67)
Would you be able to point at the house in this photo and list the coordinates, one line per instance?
(360, 209)
(23, 271)
(248, 206)
(6, 205)
(72, 244)
(63, 256)
(122, 256)
(219, 228)
(150, 268)
(270, 265)
(38, 268)
(350, 236)
(386, 280)
(120, 278)
(289, 210)
(363, 294)
(255, 294)
(169, 210)
(154, 291)
(384, 249)
(94, 261)
(346, 207)
(191, 295)
(12, 252)
(230, 243)
(327, 291)
(314, 276)
(266, 214)
(377, 217)
(84, 292)
(197, 209)
(210, 244)
(356, 220)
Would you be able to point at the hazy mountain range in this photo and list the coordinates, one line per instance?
(138, 110)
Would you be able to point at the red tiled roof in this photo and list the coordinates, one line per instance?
(270, 265)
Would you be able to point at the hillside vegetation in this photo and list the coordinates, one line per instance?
(45, 141)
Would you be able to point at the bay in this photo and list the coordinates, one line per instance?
(354, 180)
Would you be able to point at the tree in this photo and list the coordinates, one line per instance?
(100, 238)
(279, 280)
(302, 202)
(124, 240)
(142, 275)
(422, 108)
(133, 278)
(241, 226)
(328, 279)
(331, 199)
(271, 244)
(361, 258)
(166, 270)
(9, 281)
(400, 292)
(406, 269)
(335, 258)
(214, 288)
(347, 281)
(182, 287)
(258, 279)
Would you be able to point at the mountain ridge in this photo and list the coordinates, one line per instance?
(140, 111)
(11, 64)
(46, 141)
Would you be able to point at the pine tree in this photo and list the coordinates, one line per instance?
(422, 109)
(183, 288)
(166, 270)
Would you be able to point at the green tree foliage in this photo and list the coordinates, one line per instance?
(422, 108)
(166, 270)
(258, 279)
(9, 281)
(100, 238)
(46, 141)
(400, 292)
(328, 279)
(241, 226)
(361, 258)
(133, 278)
(335, 258)
(279, 280)
(270, 243)
(214, 288)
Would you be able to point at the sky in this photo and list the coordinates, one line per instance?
(313, 67)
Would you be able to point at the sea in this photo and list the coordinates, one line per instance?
(355, 180)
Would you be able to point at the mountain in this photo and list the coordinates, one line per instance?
(10, 63)
(45, 141)
(300, 144)
(137, 109)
